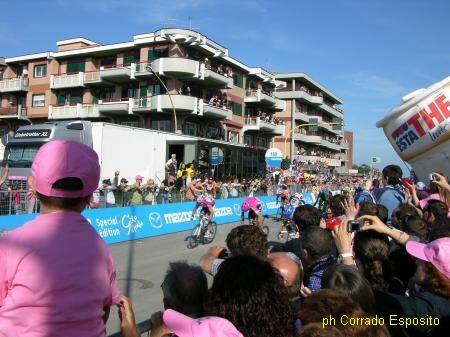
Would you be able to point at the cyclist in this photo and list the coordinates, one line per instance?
(253, 206)
(207, 203)
(287, 212)
(282, 193)
(297, 200)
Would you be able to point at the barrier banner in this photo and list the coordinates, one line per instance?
(120, 224)
(309, 198)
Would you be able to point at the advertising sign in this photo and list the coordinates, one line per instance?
(216, 156)
(274, 157)
(136, 222)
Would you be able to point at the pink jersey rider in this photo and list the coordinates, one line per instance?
(252, 205)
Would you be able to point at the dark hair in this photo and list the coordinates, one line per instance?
(436, 207)
(185, 288)
(336, 205)
(414, 225)
(436, 282)
(402, 211)
(326, 303)
(367, 208)
(318, 242)
(66, 204)
(318, 330)
(306, 216)
(247, 240)
(372, 250)
(440, 228)
(393, 174)
(349, 281)
(382, 213)
(184, 173)
(376, 183)
(249, 293)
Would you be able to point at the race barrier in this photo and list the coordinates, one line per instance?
(136, 222)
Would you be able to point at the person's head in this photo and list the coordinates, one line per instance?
(250, 293)
(371, 250)
(392, 175)
(440, 228)
(173, 157)
(434, 209)
(184, 174)
(291, 271)
(123, 182)
(349, 281)
(64, 175)
(414, 225)
(329, 303)
(336, 205)
(139, 179)
(317, 243)
(106, 182)
(402, 211)
(367, 208)
(184, 289)
(375, 183)
(306, 216)
(182, 166)
(247, 240)
(433, 265)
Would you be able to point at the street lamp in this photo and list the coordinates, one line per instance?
(149, 68)
(302, 125)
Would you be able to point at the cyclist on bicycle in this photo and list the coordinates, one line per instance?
(287, 212)
(297, 200)
(253, 206)
(207, 207)
(282, 193)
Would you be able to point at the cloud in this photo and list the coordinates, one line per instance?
(372, 84)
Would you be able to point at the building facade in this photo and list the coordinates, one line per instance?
(313, 122)
(348, 149)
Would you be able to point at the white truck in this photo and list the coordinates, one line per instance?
(419, 129)
(126, 149)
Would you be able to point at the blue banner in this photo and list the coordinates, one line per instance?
(136, 222)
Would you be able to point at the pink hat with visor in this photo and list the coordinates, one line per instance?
(60, 159)
(436, 252)
(184, 326)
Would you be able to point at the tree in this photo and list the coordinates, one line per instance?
(363, 169)
(285, 163)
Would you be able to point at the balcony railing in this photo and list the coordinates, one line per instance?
(210, 110)
(14, 84)
(12, 111)
(67, 81)
(160, 103)
(73, 111)
(116, 106)
(259, 96)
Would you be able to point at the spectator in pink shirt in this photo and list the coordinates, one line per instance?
(57, 277)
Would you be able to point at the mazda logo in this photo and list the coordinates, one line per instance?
(237, 209)
(155, 220)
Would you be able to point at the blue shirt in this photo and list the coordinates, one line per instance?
(390, 197)
(316, 270)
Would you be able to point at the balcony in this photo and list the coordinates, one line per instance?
(118, 74)
(14, 84)
(173, 66)
(314, 159)
(331, 110)
(12, 112)
(301, 116)
(330, 145)
(258, 96)
(162, 103)
(311, 139)
(300, 95)
(280, 105)
(213, 78)
(256, 124)
(209, 110)
(73, 111)
(116, 106)
(67, 81)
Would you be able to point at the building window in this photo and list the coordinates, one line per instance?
(238, 80)
(154, 54)
(164, 125)
(233, 137)
(75, 67)
(130, 58)
(39, 100)
(40, 70)
(190, 129)
(248, 139)
(236, 108)
(133, 124)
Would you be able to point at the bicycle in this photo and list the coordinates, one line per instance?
(291, 231)
(198, 232)
(265, 229)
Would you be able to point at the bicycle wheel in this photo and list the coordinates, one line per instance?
(210, 239)
(193, 239)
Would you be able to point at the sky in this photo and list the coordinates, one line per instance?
(369, 53)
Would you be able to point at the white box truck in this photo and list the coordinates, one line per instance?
(121, 148)
(419, 129)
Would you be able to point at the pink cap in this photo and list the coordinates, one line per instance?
(60, 159)
(184, 326)
(139, 177)
(436, 252)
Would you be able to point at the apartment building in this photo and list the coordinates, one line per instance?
(313, 121)
(173, 80)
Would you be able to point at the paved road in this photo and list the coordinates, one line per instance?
(142, 264)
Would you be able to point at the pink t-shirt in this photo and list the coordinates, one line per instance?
(56, 275)
(423, 203)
